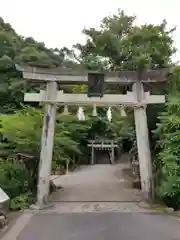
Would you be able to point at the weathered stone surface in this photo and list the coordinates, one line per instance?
(3, 196)
(3, 221)
(4, 202)
(144, 205)
(92, 207)
(168, 210)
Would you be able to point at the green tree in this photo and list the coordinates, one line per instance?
(17, 49)
(121, 45)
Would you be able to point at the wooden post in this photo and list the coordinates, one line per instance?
(92, 154)
(143, 145)
(47, 142)
(112, 152)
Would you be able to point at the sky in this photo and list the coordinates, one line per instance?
(59, 23)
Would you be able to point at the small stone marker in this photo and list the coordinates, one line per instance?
(3, 198)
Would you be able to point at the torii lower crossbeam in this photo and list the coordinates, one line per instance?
(82, 99)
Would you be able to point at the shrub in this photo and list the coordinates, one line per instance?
(168, 161)
(14, 177)
(21, 201)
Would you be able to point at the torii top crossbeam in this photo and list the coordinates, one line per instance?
(69, 76)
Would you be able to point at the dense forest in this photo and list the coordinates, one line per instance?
(118, 45)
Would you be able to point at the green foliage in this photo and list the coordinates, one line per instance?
(70, 138)
(120, 44)
(21, 201)
(17, 182)
(16, 127)
(168, 162)
(14, 177)
(17, 49)
(22, 131)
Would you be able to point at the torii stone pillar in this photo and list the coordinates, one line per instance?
(47, 142)
(143, 145)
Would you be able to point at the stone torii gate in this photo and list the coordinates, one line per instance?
(138, 99)
(103, 144)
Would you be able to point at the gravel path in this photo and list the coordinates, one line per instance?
(96, 183)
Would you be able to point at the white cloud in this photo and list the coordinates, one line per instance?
(59, 23)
